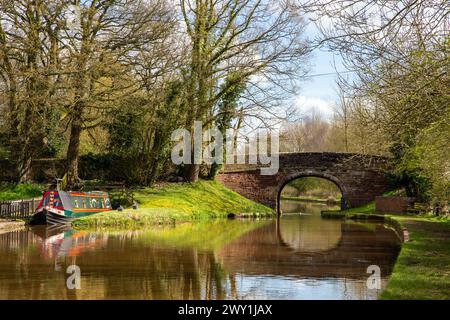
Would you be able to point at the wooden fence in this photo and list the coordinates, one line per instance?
(17, 209)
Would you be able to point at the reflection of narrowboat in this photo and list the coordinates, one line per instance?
(61, 207)
(60, 242)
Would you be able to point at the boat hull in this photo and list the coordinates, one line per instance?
(51, 218)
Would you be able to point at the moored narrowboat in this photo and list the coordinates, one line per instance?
(62, 207)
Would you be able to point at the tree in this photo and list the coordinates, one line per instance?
(399, 53)
(29, 55)
(308, 135)
(342, 113)
(228, 110)
(106, 35)
(248, 36)
(74, 70)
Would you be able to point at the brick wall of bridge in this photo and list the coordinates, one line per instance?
(360, 178)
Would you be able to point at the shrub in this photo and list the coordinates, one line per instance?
(20, 191)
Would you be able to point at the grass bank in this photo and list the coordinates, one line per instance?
(20, 191)
(422, 270)
(172, 203)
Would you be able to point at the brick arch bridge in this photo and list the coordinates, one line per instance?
(359, 177)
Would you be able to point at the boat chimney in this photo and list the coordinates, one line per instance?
(58, 185)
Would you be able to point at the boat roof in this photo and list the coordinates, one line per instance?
(81, 193)
(87, 194)
(66, 200)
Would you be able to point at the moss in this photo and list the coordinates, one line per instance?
(174, 203)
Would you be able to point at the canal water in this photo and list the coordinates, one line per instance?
(300, 256)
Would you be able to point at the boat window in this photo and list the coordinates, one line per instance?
(107, 203)
(75, 203)
(94, 203)
(57, 201)
(46, 200)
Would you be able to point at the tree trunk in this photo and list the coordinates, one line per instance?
(27, 141)
(73, 151)
(25, 167)
(214, 170)
(14, 136)
(191, 172)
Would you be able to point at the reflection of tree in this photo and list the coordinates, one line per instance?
(124, 268)
(215, 278)
(155, 272)
(190, 276)
(233, 286)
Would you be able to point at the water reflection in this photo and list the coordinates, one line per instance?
(299, 257)
(311, 233)
(59, 242)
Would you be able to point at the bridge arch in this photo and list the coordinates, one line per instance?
(359, 177)
(309, 173)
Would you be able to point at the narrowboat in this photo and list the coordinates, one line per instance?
(62, 207)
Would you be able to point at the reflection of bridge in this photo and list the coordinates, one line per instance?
(359, 177)
(269, 250)
(312, 234)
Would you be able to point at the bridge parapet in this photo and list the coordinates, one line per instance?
(316, 159)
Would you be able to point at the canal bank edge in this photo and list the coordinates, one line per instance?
(7, 225)
(422, 269)
(401, 231)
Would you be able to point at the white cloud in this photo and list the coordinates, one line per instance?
(306, 105)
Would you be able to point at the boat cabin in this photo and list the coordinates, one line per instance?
(65, 206)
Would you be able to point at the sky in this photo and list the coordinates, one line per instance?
(319, 92)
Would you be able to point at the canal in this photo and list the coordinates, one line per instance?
(300, 256)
